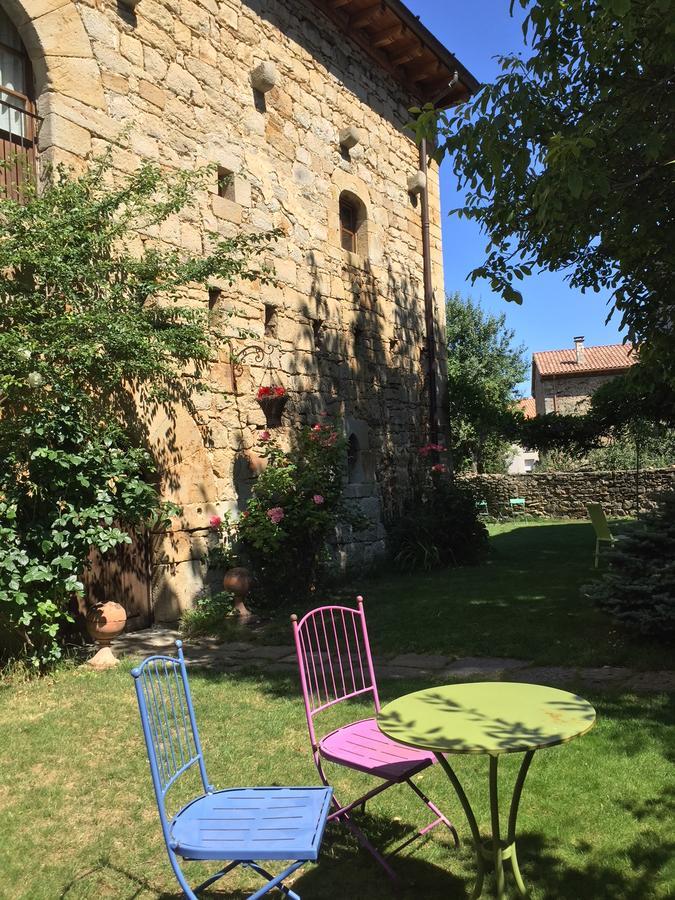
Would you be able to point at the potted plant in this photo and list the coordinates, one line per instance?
(272, 401)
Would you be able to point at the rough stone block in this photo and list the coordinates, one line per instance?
(56, 131)
(265, 76)
(226, 209)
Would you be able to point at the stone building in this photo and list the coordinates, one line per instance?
(301, 105)
(563, 381)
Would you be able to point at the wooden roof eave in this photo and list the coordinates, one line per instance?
(397, 41)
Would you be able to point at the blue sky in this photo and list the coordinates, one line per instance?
(551, 313)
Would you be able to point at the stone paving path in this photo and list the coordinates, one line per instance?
(214, 655)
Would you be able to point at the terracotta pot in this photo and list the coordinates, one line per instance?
(106, 621)
(238, 582)
(273, 407)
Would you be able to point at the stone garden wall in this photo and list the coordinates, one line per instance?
(565, 494)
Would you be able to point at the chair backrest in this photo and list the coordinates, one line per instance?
(168, 721)
(334, 658)
(517, 502)
(597, 516)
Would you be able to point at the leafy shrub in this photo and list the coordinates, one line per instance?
(208, 615)
(442, 529)
(296, 504)
(86, 323)
(638, 588)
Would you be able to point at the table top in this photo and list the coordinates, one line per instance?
(486, 717)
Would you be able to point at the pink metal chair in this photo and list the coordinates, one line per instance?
(335, 665)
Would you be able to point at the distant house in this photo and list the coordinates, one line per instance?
(524, 461)
(563, 381)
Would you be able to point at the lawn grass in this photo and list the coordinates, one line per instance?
(76, 806)
(79, 821)
(524, 602)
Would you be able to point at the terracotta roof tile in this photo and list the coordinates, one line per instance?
(607, 358)
(528, 407)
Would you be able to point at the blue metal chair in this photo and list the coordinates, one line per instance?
(240, 826)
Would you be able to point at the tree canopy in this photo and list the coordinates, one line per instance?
(484, 368)
(568, 161)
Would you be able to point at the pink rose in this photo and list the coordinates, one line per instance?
(318, 499)
(276, 514)
(215, 522)
(265, 436)
(440, 468)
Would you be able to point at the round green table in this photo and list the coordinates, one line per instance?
(490, 718)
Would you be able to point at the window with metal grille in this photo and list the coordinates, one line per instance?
(18, 121)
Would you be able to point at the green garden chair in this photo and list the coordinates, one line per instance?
(482, 508)
(602, 533)
(517, 507)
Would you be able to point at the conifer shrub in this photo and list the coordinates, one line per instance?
(638, 587)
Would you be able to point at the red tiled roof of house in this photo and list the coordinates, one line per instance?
(528, 407)
(608, 358)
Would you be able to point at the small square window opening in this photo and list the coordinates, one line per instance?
(225, 183)
(271, 321)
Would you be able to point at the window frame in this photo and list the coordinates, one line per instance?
(348, 230)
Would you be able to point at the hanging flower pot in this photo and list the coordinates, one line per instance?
(272, 400)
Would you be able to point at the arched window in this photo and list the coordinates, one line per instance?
(17, 111)
(353, 224)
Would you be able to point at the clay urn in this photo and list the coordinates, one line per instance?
(105, 622)
(238, 582)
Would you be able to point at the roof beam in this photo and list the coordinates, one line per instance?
(366, 16)
(407, 54)
(387, 35)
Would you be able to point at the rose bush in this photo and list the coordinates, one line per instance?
(296, 504)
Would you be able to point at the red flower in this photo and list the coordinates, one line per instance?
(431, 448)
(440, 468)
(265, 436)
(215, 522)
(318, 499)
(274, 390)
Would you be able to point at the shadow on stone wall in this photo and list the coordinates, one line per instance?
(297, 20)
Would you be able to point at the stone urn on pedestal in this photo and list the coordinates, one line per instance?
(238, 582)
(105, 622)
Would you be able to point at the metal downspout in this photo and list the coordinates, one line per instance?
(428, 301)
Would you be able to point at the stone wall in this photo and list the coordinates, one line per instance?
(570, 396)
(342, 332)
(565, 494)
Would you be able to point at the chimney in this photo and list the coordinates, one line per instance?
(579, 347)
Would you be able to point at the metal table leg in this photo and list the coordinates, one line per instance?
(496, 850)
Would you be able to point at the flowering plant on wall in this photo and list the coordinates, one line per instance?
(273, 390)
(272, 400)
(295, 507)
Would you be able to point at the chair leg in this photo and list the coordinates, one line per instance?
(216, 877)
(440, 817)
(597, 554)
(274, 880)
(341, 816)
(365, 843)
